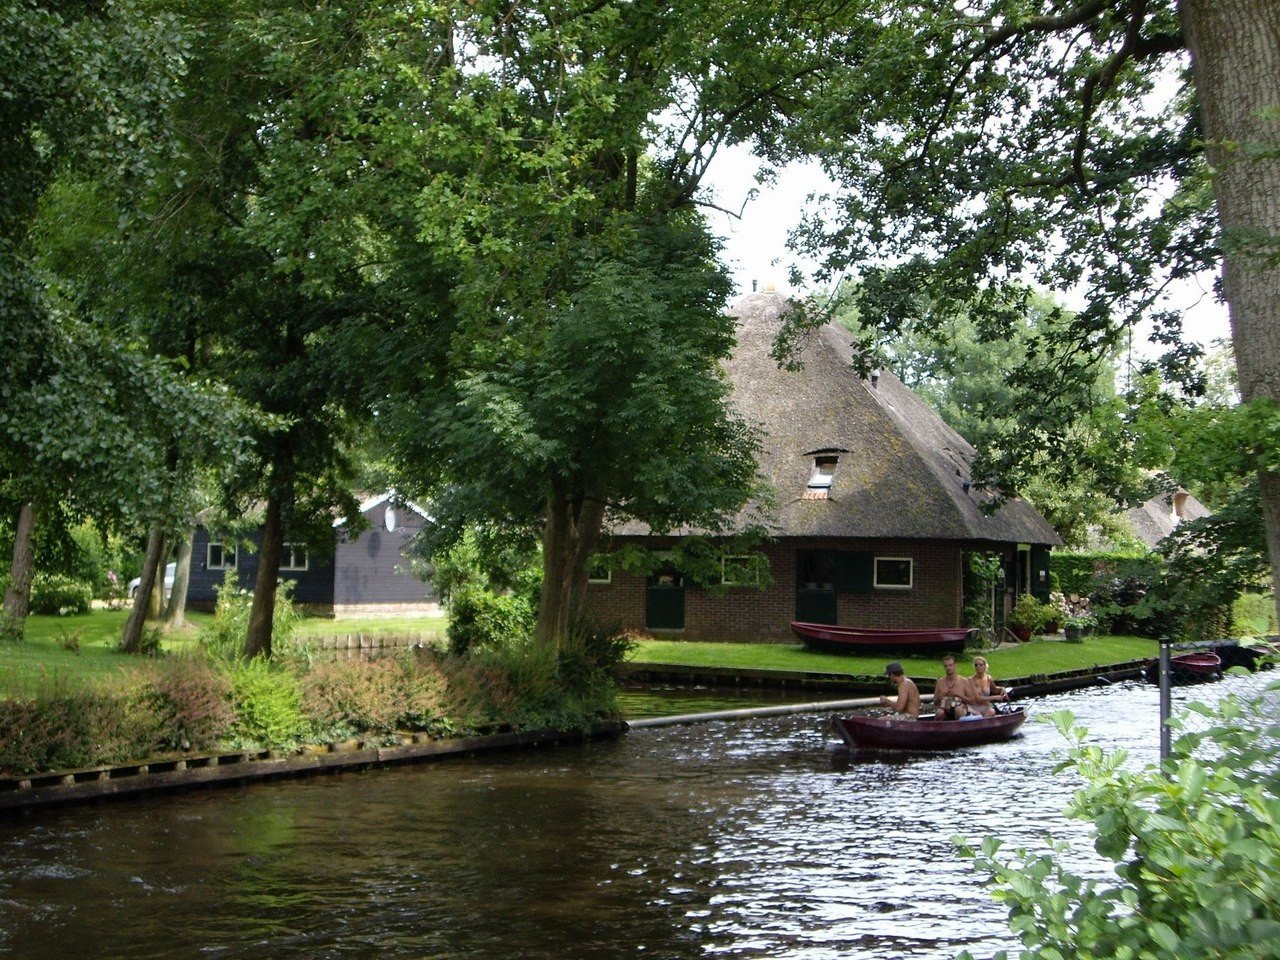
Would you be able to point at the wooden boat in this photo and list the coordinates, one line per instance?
(927, 733)
(833, 638)
(1185, 668)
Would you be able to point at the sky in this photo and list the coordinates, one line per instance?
(755, 245)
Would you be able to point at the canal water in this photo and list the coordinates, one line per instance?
(746, 839)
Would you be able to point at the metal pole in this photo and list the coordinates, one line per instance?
(1165, 699)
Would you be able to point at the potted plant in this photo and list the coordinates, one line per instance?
(1028, 616)
(1078, 625)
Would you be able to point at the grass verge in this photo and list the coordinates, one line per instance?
(1039, 656)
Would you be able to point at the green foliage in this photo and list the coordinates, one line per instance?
(53, 593)
(982, 573)
(268, 705)
(480, 618)
(1079, 572)
(1196, 847)
(1031, 612)
(224, 638)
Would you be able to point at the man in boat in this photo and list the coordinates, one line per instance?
(908, 702)
(954, 697)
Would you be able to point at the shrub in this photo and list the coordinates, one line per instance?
(479, 618)
(1032, 613)
(192, 702)
(60, 730)
(346, 697)
(426, 693)
(59, 595)
(268, 706)
(224, 638)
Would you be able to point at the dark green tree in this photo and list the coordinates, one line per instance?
(1113, 145)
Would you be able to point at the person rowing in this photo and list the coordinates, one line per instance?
(985, 689)
(953, 695)
(908, 701)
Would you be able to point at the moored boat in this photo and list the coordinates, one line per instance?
(834, 638)
(927, 733)
(1197, 667)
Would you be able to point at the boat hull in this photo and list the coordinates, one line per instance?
(927, 733)
(1188, 668)
(832, 638)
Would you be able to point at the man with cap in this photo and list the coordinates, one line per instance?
(908, 701)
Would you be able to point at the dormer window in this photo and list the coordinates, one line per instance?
(824, 470)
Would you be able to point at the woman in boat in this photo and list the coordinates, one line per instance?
(985, 690)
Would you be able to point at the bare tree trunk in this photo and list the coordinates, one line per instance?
(17, 595)
(131, 637)
(1235, 51)
(175, 616)
(568, 539)
(262, 614)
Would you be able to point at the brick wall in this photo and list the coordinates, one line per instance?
(750, 614)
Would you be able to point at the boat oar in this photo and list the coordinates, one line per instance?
(745, 713)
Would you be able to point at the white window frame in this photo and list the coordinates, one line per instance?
(911, 574)
(596, 578)
(288, 554)
(226, 548)
(820, 479)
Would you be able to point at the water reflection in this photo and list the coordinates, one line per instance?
(756, 838)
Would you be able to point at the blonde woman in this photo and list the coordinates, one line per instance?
(985, 689)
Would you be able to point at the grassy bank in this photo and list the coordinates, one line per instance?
(68, 652)
(1039, 656)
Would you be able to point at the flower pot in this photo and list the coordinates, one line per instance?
(1074, 634)
(1022, 633)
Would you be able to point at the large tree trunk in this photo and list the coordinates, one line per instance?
(131, 637)
(568, 540)
(17, 595)
(175, 615)
(262, 614)
(1235, 50)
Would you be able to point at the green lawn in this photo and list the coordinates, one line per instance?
(1027, 659)
(62, 652)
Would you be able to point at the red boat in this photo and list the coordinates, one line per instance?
(1188, 668)
(832, 638)
(927, 733)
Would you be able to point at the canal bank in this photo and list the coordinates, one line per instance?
(823, 693)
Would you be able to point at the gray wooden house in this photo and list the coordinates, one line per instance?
(366, 576)
(874, 511)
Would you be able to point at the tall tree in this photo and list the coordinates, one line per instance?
(1063, 143)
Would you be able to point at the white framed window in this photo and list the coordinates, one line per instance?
(824, 470)
(741, 571)
(293, 556)
(220, 556)
(894, 573)
(599, 571)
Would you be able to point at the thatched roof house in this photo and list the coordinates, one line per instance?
(1154, 520)
(874, 511)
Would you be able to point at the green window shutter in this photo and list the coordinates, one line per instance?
(854, 571)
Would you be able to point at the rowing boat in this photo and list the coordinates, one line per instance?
(927, 733)
(833, 638)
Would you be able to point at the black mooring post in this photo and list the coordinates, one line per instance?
(1165, 699)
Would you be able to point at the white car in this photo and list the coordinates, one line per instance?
(168, 582)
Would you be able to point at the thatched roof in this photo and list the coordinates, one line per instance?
(1160, 516)
(901, 471)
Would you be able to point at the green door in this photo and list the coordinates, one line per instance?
(815, 586)
(664, 601)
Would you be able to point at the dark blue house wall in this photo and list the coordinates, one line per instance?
(372, 569)
(313, 586)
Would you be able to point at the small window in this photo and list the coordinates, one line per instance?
(824, 469)
(599, 570)
(743, 571)
(293, 556)
(221, 556)
(893, 573)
